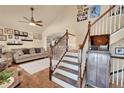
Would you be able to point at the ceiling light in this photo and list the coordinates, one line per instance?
(32, 24)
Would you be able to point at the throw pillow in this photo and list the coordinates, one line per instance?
(37, 50)
(2, 66)
(26, 51)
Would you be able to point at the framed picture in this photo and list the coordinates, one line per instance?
(95, 11)
(16, 32)
(21, 33)
(3, 38)
(82, 12)
(1, 31)
(25, 33)
(35, 36)
(119, 50)
(16, 37)
(8, 31)
(39, 36)
(10, 36)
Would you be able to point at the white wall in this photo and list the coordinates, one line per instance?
(26, 44)
(68, 21)
(65, 21)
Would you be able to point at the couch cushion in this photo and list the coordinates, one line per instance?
(42, 50)
(26, 51)
(37, 50)
(18, 53)
(23, 56)
(32, 51)
(2, 65)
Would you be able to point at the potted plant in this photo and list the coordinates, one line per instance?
(5, 77)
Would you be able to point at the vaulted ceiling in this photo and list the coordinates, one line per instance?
(10, 15)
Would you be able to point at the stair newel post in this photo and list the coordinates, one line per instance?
(80, 73)
(89, 29)
(50, 56)
(67, 39)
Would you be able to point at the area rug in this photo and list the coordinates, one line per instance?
(35, 66)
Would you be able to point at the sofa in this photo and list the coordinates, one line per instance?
(28, 54)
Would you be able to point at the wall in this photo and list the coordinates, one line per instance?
(26, 44)
(82, 26)
(68, 20)
(65, 20)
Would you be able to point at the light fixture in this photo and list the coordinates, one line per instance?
(32, 24)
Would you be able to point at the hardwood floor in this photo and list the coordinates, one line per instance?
(37, 80)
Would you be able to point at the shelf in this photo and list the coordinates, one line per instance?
(26, 40)
(21, 35)
(13, 44)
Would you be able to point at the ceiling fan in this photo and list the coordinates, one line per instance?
(32, 21)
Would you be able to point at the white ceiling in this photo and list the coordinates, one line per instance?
(10, 15)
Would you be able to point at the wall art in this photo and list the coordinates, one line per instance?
(94, 11)
(1, 31)
(3, 38)
(8, 31)
(82, 12)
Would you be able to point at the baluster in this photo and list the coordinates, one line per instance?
(117, 71)
(120, 16)
(96, 29)
(110, 22)
(113, 75)
(92, 30)
(106, 24)
(115, 18)
(122, 76)
(99, 28)
(102, 27)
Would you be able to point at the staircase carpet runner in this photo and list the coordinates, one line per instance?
(65, 79)
(68, 70)
(70, 62)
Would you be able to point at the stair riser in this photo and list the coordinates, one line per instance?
(71, 59)
(69, 66)
(62, 83)
(72, 54)
(65, 73)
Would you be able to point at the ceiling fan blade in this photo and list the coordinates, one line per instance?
(39, 25)
(23, 21)
(38, 21)
(27, 19)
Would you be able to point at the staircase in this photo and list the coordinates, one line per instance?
(69, 71)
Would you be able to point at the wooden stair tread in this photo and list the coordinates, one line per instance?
(68, 70)
(71, 56)
(70, 62)
(65, 79)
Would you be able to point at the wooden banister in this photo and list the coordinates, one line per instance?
(117, 57)
(53, 49)
(103, 15)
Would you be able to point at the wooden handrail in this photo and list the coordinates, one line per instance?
(118, 57)
(103, 15)
(63, 37)
(71, 34)
(88, 32)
